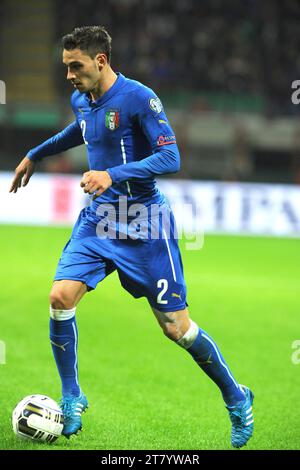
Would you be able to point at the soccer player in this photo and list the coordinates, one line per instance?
(129, 141)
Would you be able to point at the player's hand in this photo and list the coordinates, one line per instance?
(23, 173)
(96, 182)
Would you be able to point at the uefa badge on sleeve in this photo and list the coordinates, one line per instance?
(156, 105)
(112, 119)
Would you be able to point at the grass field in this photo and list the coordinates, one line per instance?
(144, 391)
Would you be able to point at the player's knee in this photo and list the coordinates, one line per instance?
(183, 333)
(173, 331)
(174, 324)
(190, 335)
(60, 299)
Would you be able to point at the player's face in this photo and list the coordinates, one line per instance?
(83, 71)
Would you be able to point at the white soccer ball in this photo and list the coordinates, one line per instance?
(38, 418)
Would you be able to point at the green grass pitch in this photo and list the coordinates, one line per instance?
(144, 391)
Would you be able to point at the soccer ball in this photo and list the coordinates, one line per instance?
(39, 418)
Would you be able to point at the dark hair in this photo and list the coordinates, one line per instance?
(90, 39)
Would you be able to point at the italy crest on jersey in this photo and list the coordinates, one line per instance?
(112, 119)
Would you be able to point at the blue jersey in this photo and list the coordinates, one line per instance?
(127, 133)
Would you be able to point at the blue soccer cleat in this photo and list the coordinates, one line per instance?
(241, 417)
(72, 408)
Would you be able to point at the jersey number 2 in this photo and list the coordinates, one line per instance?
(163, 285)
(83, 130)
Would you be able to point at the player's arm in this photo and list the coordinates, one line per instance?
(167, 160)
(68, 138)
(154, 123)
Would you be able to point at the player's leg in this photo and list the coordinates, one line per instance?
(178, 327)
(168, 300)
(65, 294)
(64, 297)
(80, 268)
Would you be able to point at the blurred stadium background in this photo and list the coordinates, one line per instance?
(224, 71)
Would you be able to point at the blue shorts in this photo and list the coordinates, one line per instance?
(147, 266)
